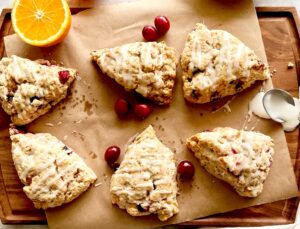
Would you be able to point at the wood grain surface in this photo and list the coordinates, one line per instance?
(280, 31)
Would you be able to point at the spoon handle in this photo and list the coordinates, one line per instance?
(281, 120)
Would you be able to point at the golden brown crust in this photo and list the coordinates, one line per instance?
(29, 89)
(149, 68)
(241, 158)
(53, 174)
(145, 183)
(216, 64)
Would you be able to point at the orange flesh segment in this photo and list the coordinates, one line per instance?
(37, 20)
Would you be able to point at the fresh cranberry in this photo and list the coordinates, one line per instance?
(111, 154)
(121, 107)
(150, 33)
(142, 110)
(162, 24)
(64, 76)
(186, 169)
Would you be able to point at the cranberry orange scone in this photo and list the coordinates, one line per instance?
(149, 68)
(216, 64)
(53, 174)
(29, 89)
(241, 158)
(145, 183)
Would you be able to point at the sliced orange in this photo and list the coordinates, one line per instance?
(41, 22)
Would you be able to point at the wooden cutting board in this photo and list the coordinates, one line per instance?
(280, 31)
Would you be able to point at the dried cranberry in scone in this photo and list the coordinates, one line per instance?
(233, 151)
(64, 76)
(16, 130)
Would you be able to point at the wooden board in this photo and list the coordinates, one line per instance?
(280, 30)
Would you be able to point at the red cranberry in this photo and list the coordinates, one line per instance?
(111, 154)
(162, 24)
(64, 76)
(142, 110)
(186, 169)
(150, 33)
(121, 107)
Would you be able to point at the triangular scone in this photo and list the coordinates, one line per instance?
(216, 64)
(149, 68)
(241, 158)
(29, 89)
(145, 183)
(53, 174)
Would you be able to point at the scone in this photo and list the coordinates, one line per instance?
(149, 68)
(53, 174)
(145, 183)
(29, 89)
(216, 64)
(241, 158)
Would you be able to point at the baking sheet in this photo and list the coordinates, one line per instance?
(90, 125)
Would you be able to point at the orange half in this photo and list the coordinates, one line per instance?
(41, 22)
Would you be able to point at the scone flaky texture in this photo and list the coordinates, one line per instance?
(149, 68)
(29, 89)
(53, 174)
(241, 158)
(216, 64)
(145, 183)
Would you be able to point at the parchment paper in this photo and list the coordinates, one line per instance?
(90, 125)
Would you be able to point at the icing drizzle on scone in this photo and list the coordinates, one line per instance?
(145, 182)
(216, 64)
(149, 68)
(29, 89)
(241, 158)
(53, 174)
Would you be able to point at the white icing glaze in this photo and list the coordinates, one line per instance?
(146, 176)
(34, 88)
(196, 55)
(285, 111)
(37, 187)
(256, 106)
(141, 66)
(247, 155)
(44, 160)
(224, 57)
